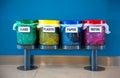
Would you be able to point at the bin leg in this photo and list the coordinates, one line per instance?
(28, 60)
(94, 62)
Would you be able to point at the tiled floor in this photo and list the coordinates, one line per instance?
(10, 71)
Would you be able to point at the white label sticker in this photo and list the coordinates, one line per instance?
(95, 29)
(48, 29)
(23, 29)
(71, 29)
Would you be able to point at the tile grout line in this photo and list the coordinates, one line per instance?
(36, 72)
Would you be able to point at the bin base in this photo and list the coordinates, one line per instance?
(94, 47)
(19, 46)
(44, 47)
(31, 68)
(66, 47)
(98, 68)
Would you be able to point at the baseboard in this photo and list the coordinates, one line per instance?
(60, 60)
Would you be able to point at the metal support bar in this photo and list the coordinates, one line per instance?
(32, 60)
(94, 62)
(26, 59)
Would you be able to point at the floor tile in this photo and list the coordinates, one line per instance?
(76, 72)
(11, 71)
(52, 71)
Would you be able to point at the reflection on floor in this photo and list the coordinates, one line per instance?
(10, 71)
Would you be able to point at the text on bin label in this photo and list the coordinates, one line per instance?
(48, 29)
(71, 30)
(23, 29)
(95, 29)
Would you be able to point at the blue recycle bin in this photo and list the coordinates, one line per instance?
(71, 34)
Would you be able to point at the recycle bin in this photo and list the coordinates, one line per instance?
(94, 33)
(94, 39)
(71, 34)
(48, 34)
(26, 32)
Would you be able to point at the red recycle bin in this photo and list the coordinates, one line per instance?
(94, 33)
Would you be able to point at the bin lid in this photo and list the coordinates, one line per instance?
(26, 21)
(31, 23)
(94, 21)
(70, 22)
(48, 22)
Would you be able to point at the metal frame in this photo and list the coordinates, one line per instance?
(29, 66)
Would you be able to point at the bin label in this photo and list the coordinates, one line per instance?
(49, 29)
(95, 29)
(71, 29)
(23, 29)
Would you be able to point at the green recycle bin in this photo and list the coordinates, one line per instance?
(26, 32)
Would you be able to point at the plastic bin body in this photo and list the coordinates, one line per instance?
(71, 33)
(94, 33)
(26, 32)
(48, 32)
